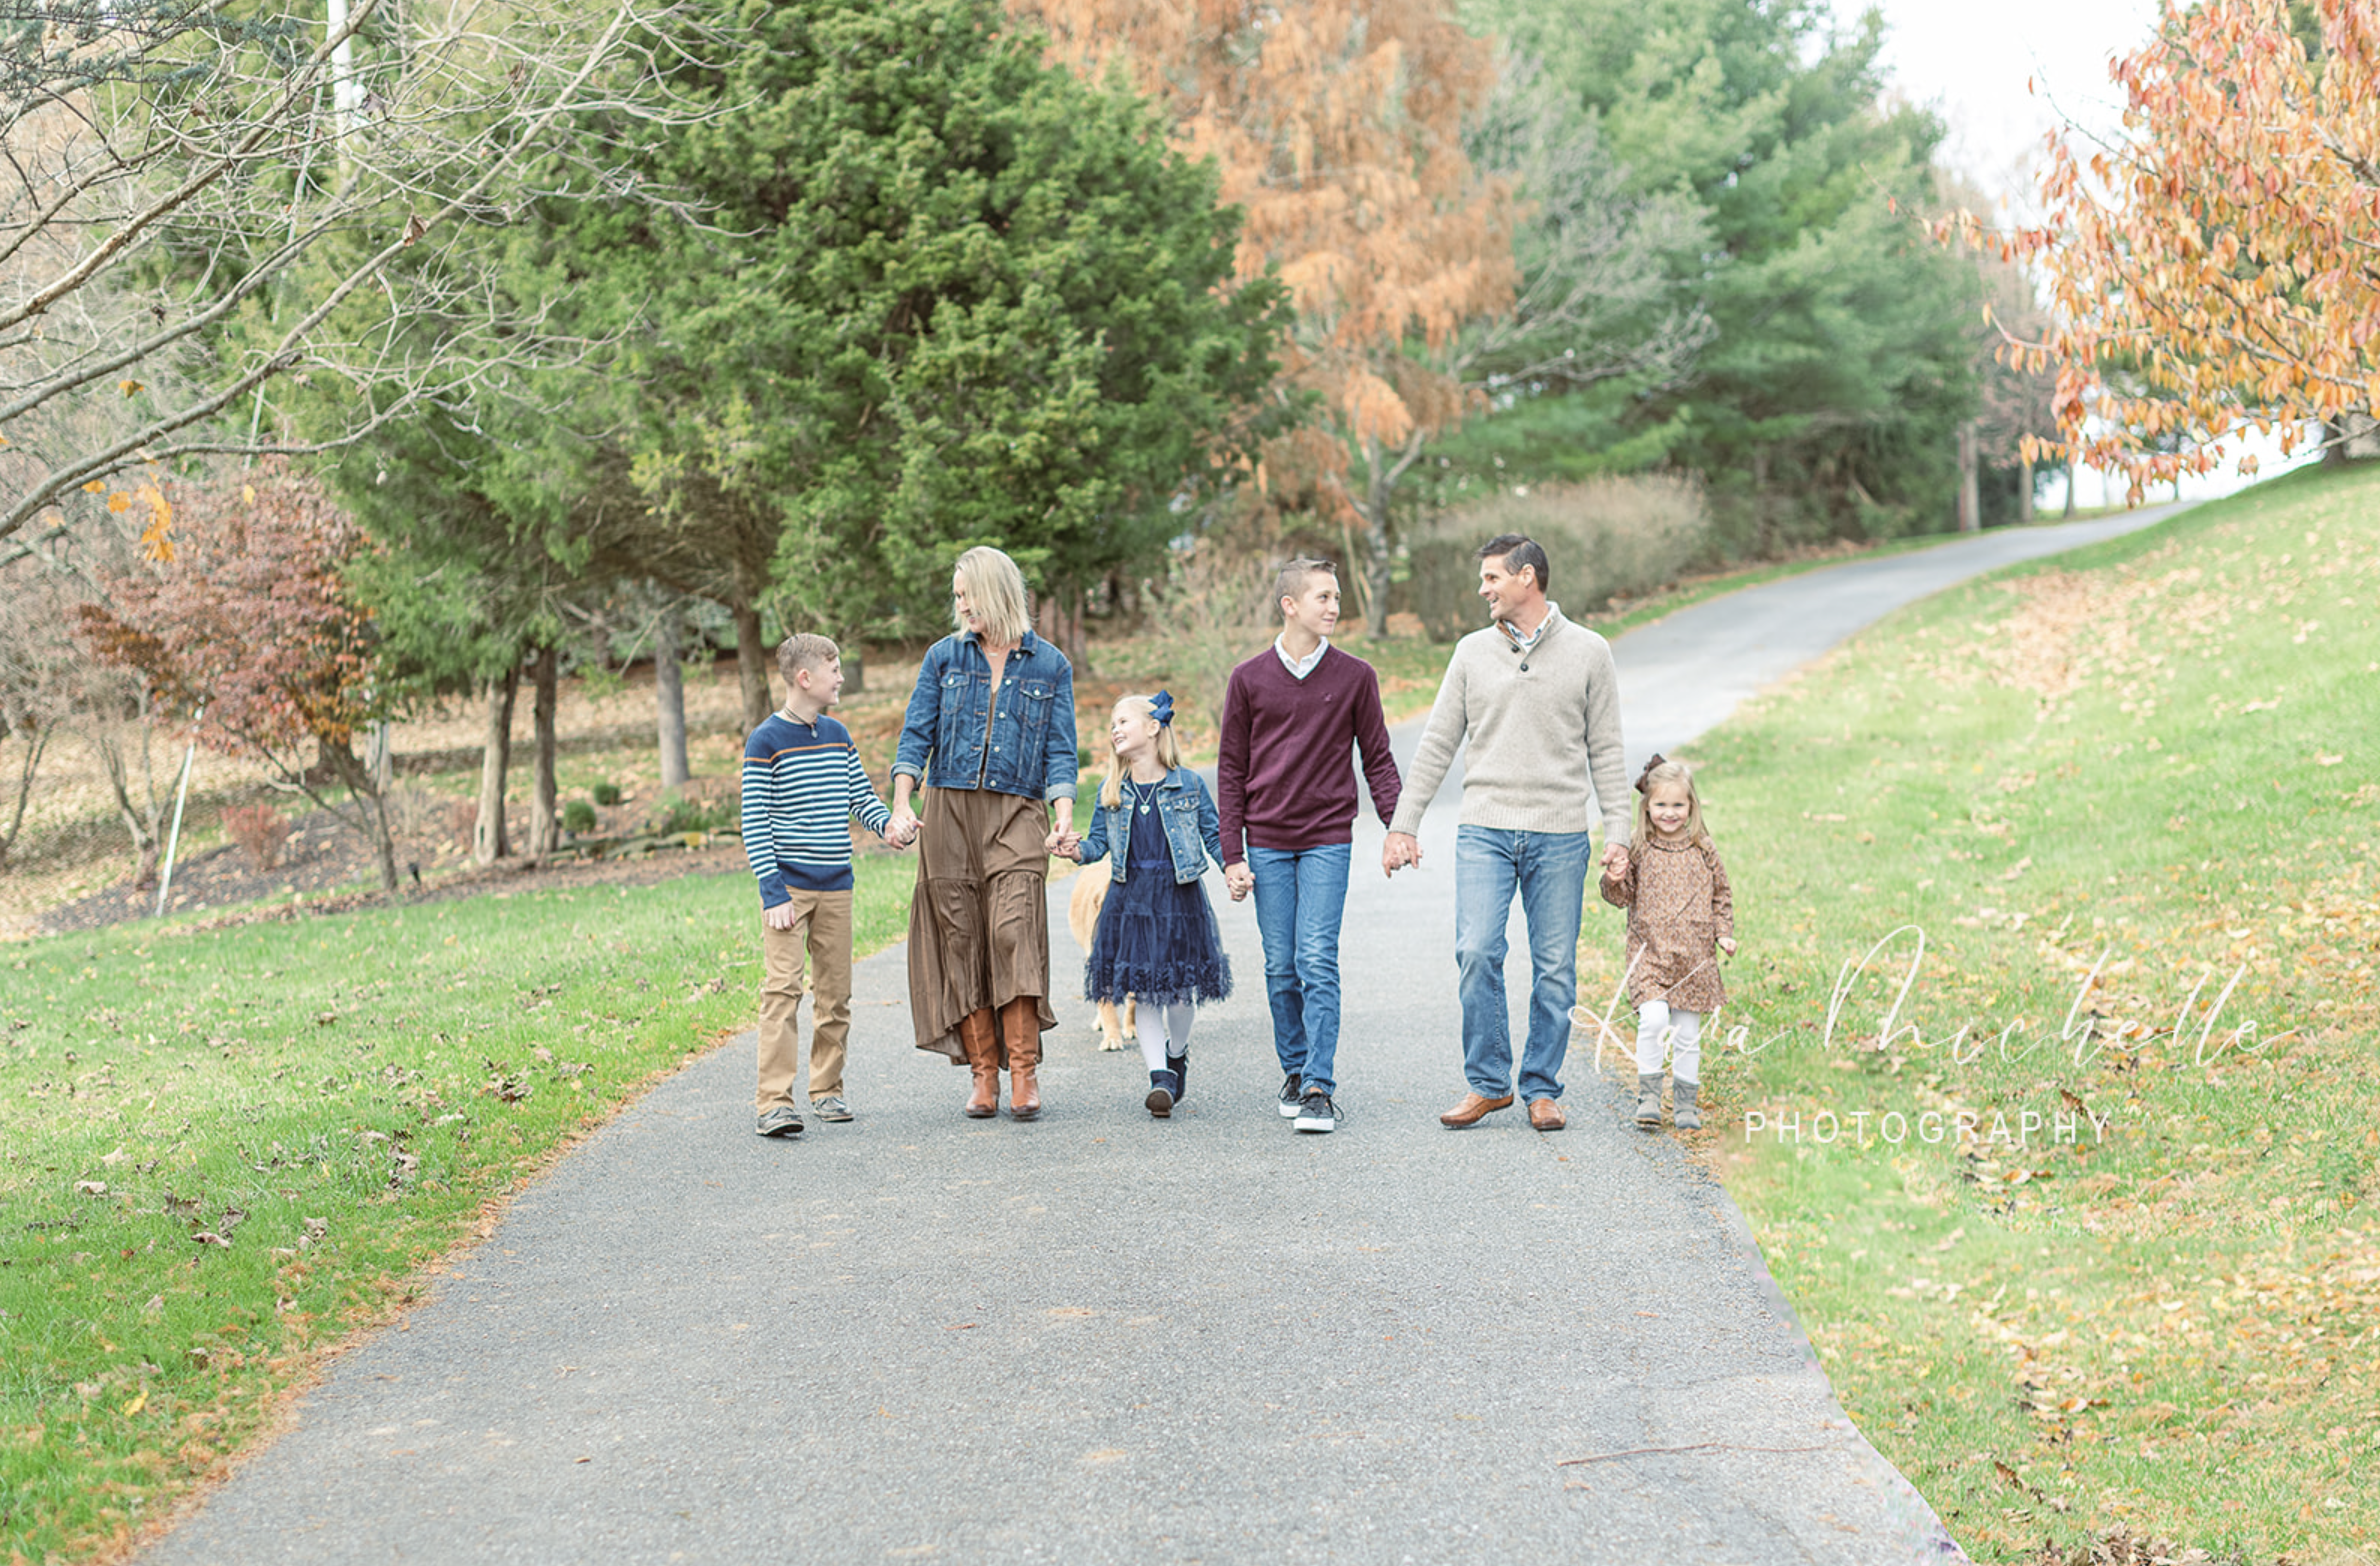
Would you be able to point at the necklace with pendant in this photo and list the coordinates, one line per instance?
(1139, 798)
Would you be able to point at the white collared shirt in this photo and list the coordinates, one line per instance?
(1524, 643)
(1300, 668)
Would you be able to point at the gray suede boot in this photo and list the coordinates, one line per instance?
(1681, 1101)
(1648, 1100)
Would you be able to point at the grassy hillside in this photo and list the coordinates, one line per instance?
(2111, 822)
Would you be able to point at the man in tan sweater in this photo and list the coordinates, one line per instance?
(1536, 702)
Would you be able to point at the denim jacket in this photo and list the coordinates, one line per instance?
(1030, 750)
(1191, 828)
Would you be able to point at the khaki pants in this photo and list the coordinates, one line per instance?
(822, 928)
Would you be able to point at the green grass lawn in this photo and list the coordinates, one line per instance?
(2127, 799)
(224, 1150)
(339, 1100)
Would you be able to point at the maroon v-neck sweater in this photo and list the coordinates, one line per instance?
(1284, 779)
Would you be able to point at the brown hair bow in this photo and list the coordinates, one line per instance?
(1643, 777)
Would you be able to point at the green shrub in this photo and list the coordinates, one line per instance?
(695, 815)
(578, 818)
(607, 793)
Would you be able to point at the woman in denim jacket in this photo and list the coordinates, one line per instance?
(990, 735)
(1157, 939)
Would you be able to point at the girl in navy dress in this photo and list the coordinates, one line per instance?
(1156, 939)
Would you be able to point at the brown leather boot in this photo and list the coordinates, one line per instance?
(980, 1039)
(1020, 1028)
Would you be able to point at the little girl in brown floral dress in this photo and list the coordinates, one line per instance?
(1681, 915)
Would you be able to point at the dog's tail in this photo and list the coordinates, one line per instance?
(1083, 905)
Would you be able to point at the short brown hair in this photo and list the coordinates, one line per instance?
(805, 650)
(1291, 582)
(1519, 552)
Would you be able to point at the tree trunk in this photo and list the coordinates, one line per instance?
(752, 658)
(382, 758)
(489, 841)
(1970, 502)
(1078, 640)
(2024, 490)
(1761, 542)
(2071, 481)
(35, 740)
(1378, 486)
(669, 698)
(545, 814)
(142, 826)
(371, 804)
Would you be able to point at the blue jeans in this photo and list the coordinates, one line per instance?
(1549, 870)
(1300, 898)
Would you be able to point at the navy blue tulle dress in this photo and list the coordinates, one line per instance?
(1157, 939)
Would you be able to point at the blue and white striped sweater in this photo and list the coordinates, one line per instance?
(800, 781)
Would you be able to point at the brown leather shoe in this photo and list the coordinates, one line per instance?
(1020, 1030)
(1472, 1110)
(981, 1040)
(1546, 1115)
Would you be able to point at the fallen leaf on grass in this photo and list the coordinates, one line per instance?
(210, 1237)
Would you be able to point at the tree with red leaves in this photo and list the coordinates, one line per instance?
(244, 621)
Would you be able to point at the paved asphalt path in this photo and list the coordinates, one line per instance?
(1101, 1338)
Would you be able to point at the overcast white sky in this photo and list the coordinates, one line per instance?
(1970, 64)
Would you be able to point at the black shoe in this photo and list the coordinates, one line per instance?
(1290, 1094)
(1315, 1112)
(1164, 1087)
(1179, 1065)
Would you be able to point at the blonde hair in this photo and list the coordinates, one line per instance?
(805, 651)
(1671, 772)
(1169, 751)
(997, 590)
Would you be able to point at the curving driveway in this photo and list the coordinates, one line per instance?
(1103, 1339)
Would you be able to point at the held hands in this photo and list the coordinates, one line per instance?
(1615, 859)
(1727, 944)
(1401, 849)
(901, 831)
(1239, 880)
(1066, 845)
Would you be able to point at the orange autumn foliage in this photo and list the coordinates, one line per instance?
(1337, 128)
(2212, 265)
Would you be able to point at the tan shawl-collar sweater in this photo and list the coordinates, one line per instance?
(1540, 731)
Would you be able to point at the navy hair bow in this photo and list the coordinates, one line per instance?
(1161, 708)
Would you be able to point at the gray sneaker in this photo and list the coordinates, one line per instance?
(784, 1120)
(831, 1107)
(1648, 1100)
(1682, 1112)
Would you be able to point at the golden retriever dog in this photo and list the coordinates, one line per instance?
(1082, 917)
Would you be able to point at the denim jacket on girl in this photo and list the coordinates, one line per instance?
(1187, 811)
(1030, 749)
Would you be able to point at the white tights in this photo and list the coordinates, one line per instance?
(1657, 1025)
(1175, 1040)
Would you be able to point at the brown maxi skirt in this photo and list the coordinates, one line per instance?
(979, 925)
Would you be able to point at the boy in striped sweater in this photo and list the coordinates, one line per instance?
(802, 778)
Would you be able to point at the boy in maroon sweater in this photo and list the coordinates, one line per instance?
(1285, 790)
